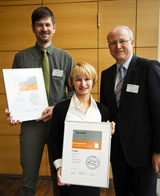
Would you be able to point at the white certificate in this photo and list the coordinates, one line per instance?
(25, 91)
(86, 154)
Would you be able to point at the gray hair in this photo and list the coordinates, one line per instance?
(123, 27)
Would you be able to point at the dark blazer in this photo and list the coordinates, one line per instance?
(57, 128)
(138, 115)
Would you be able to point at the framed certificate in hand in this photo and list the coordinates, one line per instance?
(86, 154)
(26, 94)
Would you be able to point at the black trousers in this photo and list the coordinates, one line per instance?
(75, 190)
(130, 181)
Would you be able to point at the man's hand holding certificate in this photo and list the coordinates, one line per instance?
(26, 95)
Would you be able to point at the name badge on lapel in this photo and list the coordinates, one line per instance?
(132, 88)
(57, 73)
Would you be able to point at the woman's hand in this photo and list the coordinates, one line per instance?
(156, 162)
(113, 124)
(59, 178)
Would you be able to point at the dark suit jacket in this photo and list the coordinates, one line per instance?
(57, 128)
(138, 115)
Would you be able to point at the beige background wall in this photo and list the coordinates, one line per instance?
(76, 32)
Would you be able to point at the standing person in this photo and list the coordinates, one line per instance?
(135, 108)
(34, 134)
(81, 107)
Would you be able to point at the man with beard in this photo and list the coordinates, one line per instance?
(34, 134)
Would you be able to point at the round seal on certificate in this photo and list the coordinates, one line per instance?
(92, 162)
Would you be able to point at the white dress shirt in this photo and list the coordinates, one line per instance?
(76, 114)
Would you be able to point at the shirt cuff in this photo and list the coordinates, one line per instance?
(57, 163)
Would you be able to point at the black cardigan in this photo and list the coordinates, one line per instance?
(57, 126)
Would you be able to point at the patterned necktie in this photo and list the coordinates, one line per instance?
(46, 73)
(120, 78)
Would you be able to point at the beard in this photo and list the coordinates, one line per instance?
(44, 37)
(44, 40)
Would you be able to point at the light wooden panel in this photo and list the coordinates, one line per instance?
(16, 32)
(65, 1)
(105, 61)
(6, 60)
(147, 23)
(44, 162)
(113, 13)
(5, 127)
(75, 25)
(19, 2)
(96, 97)
(2, 88)
(150, 53)
(110, 172)
(9, 159)
(10, 156)
(47, 165)
(88, 55)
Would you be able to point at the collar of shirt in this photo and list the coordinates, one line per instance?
(75, 113)
(126, 64)
(75, 103)
(49, 49)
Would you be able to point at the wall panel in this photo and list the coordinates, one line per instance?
(65, 1)
(113, 13)
(147, 23)
(75, 25)
(150, 53)
(44, 162)
(16, 32)
(19, 2)
(5, 127)
(10, 156)
(105, 61)
(9, 159)
(6, 60)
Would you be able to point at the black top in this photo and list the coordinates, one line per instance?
(57, 125)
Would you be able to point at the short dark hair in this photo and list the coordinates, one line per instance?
(40, 13)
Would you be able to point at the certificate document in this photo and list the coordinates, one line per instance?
(25, 91)
(86, 154)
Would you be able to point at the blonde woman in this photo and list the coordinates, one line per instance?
(81, 107)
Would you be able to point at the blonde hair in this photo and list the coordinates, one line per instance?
(83, 68)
